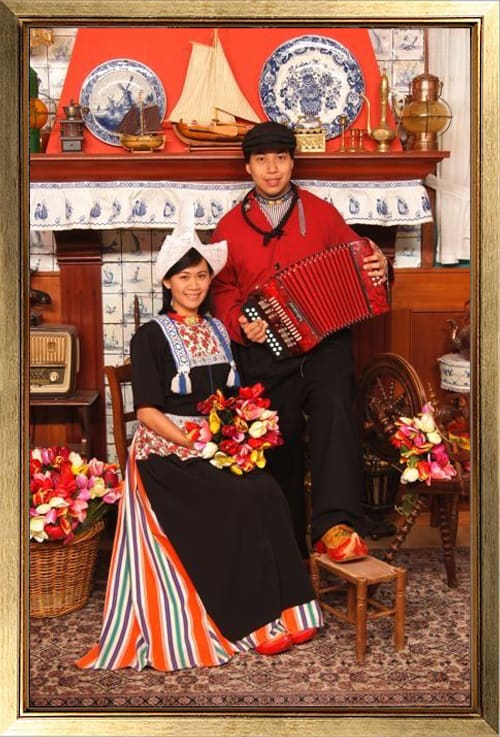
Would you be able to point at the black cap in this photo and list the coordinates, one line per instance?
(268, 136)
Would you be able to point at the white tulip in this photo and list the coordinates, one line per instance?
(409, 475)
(209, 450)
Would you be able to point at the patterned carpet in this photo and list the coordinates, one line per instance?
(432, 671)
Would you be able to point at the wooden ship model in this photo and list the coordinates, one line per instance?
(140, 129)
(211, 110)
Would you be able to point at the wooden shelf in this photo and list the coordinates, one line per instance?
(211, 166)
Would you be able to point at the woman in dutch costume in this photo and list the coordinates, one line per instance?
(204, 563)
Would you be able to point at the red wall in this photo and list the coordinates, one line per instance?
(166, 52)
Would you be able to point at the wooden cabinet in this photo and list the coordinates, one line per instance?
(423, 301)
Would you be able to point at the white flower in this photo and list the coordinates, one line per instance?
(434, 437)
(37, 531)
(425, 423)
(257, 429)
(75, 459)
(36, 453)
(209, 450)
(54, 503)
(409, 475)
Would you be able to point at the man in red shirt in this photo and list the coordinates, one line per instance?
(277, 224)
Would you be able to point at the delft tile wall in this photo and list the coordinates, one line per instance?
(129, 255)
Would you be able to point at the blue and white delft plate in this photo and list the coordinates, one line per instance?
(312, 77)
(109, 91)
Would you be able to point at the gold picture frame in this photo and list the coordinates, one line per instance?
(482, 17)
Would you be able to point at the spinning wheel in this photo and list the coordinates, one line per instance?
(388, 388)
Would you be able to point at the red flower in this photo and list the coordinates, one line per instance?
(251, 392)
(230, 447)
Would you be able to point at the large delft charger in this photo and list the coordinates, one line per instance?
(316, 296)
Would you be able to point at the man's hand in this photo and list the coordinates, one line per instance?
(255, 331)
(376, 265)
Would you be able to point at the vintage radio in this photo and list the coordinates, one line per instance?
(54, 360)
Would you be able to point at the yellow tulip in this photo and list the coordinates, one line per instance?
(214, 422)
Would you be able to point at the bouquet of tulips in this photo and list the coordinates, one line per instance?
(422, 448)
(237, 431)
(67, 493)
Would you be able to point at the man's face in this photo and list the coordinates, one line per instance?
(271, 172)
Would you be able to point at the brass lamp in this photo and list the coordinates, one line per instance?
(425, 114)
(38, 113)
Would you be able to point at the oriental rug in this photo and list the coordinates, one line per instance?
(433, 670)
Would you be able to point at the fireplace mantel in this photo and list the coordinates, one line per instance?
(210, 166)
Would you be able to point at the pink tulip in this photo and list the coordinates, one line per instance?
(112, 496)
(96, 468)
(78, 509)
(81, 480)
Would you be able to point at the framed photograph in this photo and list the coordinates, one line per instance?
(481, 19)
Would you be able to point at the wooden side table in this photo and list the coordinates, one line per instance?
(81, 400)
(359, 577)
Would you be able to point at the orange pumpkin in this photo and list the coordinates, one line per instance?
(39, 113)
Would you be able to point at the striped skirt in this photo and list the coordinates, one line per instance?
(153, 615)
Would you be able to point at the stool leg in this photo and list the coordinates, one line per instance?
(399, 614)
(361, 616)
(351, 603)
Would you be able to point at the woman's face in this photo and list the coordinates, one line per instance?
(189, 288)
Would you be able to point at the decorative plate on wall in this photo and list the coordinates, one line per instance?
(110, 90)
(312, 77)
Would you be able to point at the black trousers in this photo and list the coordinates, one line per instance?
(314, 396)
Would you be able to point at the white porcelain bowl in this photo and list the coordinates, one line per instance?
(455, 372)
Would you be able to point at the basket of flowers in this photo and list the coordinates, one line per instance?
(69, 497)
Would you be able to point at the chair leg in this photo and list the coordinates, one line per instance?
(314, 574)
(404, 530)
(453, 510)
(447, 543)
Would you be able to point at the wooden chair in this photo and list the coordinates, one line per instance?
(389, 388)
(118, 377)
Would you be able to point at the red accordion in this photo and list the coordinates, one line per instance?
(316, 296)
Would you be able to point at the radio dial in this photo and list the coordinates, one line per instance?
(53, 376)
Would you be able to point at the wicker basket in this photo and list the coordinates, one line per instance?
(61, 575)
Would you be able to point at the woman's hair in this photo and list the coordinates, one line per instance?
(190, 258)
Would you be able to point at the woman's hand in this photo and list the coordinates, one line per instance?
(376, 265)
(156, 421)
(255, 331)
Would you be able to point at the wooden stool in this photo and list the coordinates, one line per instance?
(358, 576)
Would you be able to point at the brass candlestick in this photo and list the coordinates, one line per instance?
(342, 121)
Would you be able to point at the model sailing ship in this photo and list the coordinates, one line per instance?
(212, 110)
(140, 129)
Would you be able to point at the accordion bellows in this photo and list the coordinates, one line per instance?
(316, 296)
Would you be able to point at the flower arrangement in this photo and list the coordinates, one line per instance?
(238, 429)
(67, 493)
(422, 448)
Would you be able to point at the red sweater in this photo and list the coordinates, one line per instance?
(249, 262)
